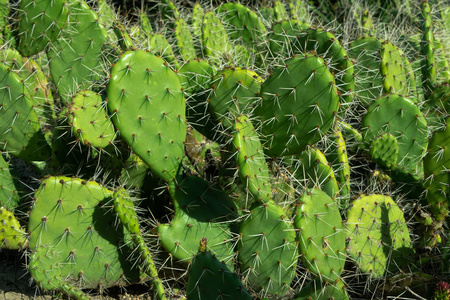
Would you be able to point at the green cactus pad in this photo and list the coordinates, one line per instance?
(369, 81)
(52, 278)
(195, 78)
(185, 42)
(436, 169)
(201, 210)
(267, 249)
(20, 132)
(252, 166)
(125, 210)
(35, 85)
(298, 9)
(9, 198)
(378, 236)
(394, 70)
(283, 35)
(321, 235)
(280, 11)
(40, 93)
(384, 150)
(316, 291)
(136, 174)
(148, 108)
(428, 65)
(215, 40)
(75, 58)
(89, 121)
(234, 91)
(196, 25)
(380, 68)
(400, 117)
(326, 45)
(40, 24)
(161, 47)
(82, 246)
(211, 279)
(299, 104)
(339, 160)
(168, 10)
(242, 23)
(11, 234)
(313, 170)
(123, 38)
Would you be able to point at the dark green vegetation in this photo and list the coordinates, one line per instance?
(256, 150)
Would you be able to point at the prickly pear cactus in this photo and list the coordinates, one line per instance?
(299, 103)
(20, 133)
(321, 235)
(150, 116)
(11, 234)
(268, 249)
(436, 168)
(400, 117)
(40, 24)
(379, 240)
(210, 278)
(252, 166)
(89, 121)
(201, 210)
(74, 238)
(9, 197)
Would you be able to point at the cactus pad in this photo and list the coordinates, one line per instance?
(250, 160)
(384, 150)
(148, 108)
(40, 23)
(9, 198)
(299, 104)
(436, 169)
(11, 234)
(400, 117)
(73, 236)
(321, 235)
(267, 249)
(75, 58)
(210, 278)
(379, 238)
(89, 120)
(201, 210)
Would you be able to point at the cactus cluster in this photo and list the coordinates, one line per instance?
(303, 145)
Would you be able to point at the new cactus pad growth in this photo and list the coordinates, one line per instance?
(400, 117)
